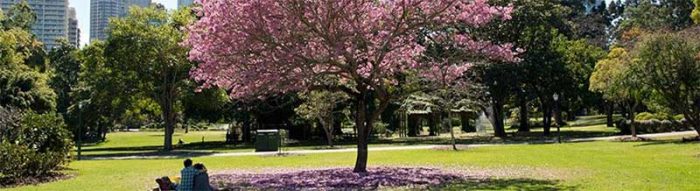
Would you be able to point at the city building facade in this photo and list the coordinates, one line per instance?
(73, 29)
(52, 21)
(184, 3)
(102, 10)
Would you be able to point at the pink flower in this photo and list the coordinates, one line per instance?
(261, 47)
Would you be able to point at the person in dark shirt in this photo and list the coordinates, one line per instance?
(201, 180)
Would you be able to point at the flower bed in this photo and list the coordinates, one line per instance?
(332, 179)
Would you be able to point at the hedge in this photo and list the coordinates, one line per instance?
(654, 126)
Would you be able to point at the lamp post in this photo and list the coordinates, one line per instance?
(556, 116)
(80, 129)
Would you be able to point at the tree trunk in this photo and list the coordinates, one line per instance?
(448, 123)
(570, 115)
(466, 127)
(246, 130)
(413, 125)
(367, 113)
(362, 137)
(546, 120)
(103, 131)
(609, 107)
(327, 125)
(523, 117)
(497, 120)
(432, 127)
(633, 129)
(168, 117)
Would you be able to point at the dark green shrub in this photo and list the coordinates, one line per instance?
(9, 124)
(644, 116)
(26, 163)
(45, 133)
(456, 122)
(653, 126)
(37, 145)
(19, 156)
(649, 116)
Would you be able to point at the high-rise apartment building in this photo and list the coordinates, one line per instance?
(73, 29)
(102, 10)
(51, 19)
(183, 3)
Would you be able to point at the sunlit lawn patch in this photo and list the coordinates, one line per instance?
(601, 165)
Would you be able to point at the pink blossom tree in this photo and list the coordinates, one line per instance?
(264, 47)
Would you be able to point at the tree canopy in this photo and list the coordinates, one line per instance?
(21, 84)
(367, 44)
(144, 50)
(671, 68)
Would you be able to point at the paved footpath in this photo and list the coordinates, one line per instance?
(388, 148)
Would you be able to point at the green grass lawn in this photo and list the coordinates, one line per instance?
(199, 143)
(663, 165)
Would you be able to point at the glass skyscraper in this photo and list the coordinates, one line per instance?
(73, 30)
(182, 3)
(102, 10)
(52, 21)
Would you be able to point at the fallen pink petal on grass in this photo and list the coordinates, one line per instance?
(338, 178)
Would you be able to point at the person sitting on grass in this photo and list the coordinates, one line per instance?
(187, 176)
(165, 184)
(201, 180)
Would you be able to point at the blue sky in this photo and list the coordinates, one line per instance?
(82, 9)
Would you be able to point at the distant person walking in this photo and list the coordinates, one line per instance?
(187, 176)
(201, 180)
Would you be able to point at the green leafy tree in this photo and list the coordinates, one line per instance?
(321, 106)
(579, 58)
(618, 78)
(666, 14)
(541, 73)
(208, 104)
(20, 16)
(144, 48)
(22, 86)
(498, 82)
(671, 65)
(65, 66)
(590, 20)
(102, 94)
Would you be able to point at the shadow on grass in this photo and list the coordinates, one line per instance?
(150, 154)
(180, 151)
(667, 142)
(583, 121)
(565, 134)
(209, 147)
(522, 184)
